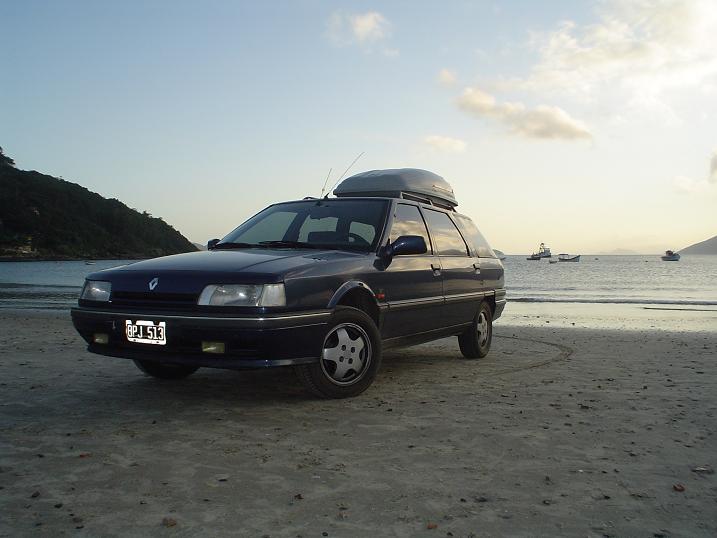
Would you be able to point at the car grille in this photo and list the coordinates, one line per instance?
(169, 301)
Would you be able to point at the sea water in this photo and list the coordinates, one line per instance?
(597, 291)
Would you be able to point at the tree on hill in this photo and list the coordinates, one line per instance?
(5, 160)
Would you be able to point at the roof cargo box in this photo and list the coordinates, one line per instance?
(409, 183)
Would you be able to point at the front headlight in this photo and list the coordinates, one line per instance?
(243, 295)
(96, 290)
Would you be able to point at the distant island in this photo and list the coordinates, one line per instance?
(44, 217)
(708, 246)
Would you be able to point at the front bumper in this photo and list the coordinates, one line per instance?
(250, 341)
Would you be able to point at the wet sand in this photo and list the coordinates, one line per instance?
(559, 431)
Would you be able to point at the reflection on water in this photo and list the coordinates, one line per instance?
(47, 285)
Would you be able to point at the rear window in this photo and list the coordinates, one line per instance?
(474, 237)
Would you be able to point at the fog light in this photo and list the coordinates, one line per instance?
(101, 338)
(213, 347)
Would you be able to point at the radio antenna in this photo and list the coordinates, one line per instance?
(345, 172)
(325, 182)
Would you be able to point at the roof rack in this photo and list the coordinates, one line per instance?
(407, 183)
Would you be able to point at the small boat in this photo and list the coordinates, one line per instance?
(543, 252)
(499, 253)
(89, 262)
(569, 257)
(552, 261)
(671, 256)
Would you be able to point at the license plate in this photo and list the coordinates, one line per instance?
(146, 332)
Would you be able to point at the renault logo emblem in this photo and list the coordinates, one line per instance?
(153, 283)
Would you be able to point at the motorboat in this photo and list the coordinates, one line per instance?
(569, 257)
(552, 261)
(543, 252)
(671, 256)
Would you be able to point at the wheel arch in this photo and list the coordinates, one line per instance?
(358, 295)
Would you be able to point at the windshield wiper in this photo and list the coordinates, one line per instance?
(291, 244)
(229, 244)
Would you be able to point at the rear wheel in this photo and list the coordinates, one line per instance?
(350, 357)
(475, 342)
(165, 371)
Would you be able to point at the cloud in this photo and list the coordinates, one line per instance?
(687, 185)
(446, 77)
(445, 144)
(639, 46)
(366, 30)
(547, 122)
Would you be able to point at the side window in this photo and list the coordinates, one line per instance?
(473, 235)
(448, 241)
(408, 221)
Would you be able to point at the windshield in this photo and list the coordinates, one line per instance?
(340, 224)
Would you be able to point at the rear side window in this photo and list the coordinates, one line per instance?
(408, 221)
(474, 237)
(447, 239)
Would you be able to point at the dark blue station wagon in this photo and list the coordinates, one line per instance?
(323, 285)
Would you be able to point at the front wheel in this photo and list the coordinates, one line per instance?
(475, 342)
(350, 357)
(165, 371)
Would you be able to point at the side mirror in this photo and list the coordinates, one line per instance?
(404, 245)
(212, 243)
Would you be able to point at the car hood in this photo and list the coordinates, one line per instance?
(190, 272)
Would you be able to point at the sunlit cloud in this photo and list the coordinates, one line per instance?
(367, 30)
(445, 144)
(687, 185)
(542, 121)
(446, 77)
(640, 48)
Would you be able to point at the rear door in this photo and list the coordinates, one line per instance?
(461, 272)
(412, 283)
(491, 269)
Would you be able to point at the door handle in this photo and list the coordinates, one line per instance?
(436, 269)
(476, 266)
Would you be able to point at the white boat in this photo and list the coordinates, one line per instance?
(499, 253)
(671, 256)
(569, 257)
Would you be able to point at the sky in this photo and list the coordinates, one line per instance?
(590, 126)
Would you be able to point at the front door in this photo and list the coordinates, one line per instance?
(411, 284)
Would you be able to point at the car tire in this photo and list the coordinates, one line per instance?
(162, 370)
(352, 339)
(475, 342)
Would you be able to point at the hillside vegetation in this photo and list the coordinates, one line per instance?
(45, 217)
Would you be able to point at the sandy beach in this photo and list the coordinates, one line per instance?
(560, 431)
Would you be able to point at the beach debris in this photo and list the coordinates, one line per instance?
(703, 469)
(678, 487)
(35, 495)
(58, 505)
(169, 522)
(85, 454)
(298, 497)
(432, 525)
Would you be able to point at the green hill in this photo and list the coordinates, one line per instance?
(708, 246)
(45, 217)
